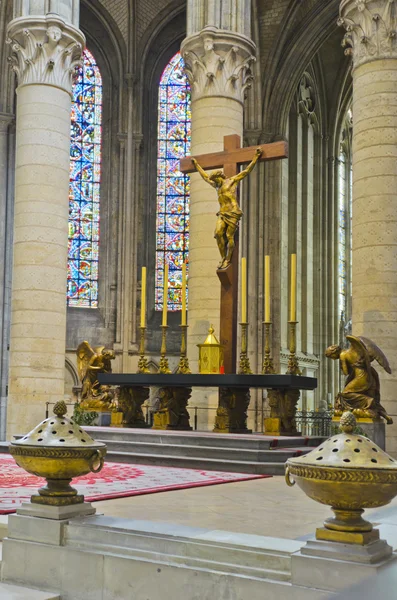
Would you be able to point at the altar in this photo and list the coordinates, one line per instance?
(234, 397)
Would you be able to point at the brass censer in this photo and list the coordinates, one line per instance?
(58, 450)
(349, 473)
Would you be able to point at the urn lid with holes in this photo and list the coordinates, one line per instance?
(58, 431)
(58, 449)
(349, 473)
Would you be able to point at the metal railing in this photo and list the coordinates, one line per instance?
(308, 422)
(314, 423)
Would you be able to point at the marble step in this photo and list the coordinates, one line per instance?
(219, 551)
(189, 451)
(189, 462)
(15, 592)
(200, 438)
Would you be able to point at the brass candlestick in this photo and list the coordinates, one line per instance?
(244, 367)
(143, 365)
(164, 367)
(183, 366)
(293, 365)
(267, 367)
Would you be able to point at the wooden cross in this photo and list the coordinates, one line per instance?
(230, 159)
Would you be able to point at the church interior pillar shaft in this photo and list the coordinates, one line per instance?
(218, 66)
(212, 119)
(371, 40)
(38, 322)
(45, 51)
(374, 224)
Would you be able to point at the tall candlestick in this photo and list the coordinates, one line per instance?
(143, 298)
(293, 288)
(165, 296)
(267, 289)
(183, 321)
(243, 290)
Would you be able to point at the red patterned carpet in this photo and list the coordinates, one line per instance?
(116, 480)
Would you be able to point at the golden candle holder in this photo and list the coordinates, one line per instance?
(143, 365)
(244, 366)
(293, 365)
(183, 365)
(164, 367)
(267, 367)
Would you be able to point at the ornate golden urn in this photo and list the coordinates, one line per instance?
(349, 473)
(58, 450)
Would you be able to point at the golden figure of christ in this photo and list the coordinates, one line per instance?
(230, 213)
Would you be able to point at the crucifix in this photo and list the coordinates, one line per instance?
(232, 157)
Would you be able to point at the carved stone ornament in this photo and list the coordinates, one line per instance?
(306, 96)
(371, 29)
(218, 63)
(44, 50)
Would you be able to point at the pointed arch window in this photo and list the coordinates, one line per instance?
(172, 225)
(84, 189)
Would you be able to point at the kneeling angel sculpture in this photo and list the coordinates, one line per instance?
(361, 393)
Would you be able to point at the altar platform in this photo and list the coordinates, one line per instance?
(257, 454)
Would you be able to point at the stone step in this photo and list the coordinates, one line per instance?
(239, 454)
(15, 592)
(186, 462)
(219, 551)
(201, 438)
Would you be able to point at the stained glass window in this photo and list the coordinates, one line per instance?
(172, 232)
(84, 189)
(345, 215)
(342, 236)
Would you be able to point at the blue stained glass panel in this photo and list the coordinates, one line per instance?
(172, 230)
(85, 179)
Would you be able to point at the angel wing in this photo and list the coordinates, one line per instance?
(84, 355)
(361, 349)
(375, 353)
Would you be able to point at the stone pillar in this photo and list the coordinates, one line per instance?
(371, 39)
(44, 53)
(218, 65)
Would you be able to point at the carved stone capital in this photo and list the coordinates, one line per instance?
(218, 63)
(44, 50)
(370, 29)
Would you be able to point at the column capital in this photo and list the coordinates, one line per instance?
(371, 32)
(218, 63)
(44, 50)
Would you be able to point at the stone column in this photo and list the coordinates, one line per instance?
(44, 53)
(371, 39)
(218, 65)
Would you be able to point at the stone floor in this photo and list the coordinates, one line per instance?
(264, 507)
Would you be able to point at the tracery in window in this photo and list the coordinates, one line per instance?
(84, 190)
(172, 228)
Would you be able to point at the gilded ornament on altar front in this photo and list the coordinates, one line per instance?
(361, 393)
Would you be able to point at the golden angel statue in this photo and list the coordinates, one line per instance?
(90, 362)
(361, 393)
(230, 213)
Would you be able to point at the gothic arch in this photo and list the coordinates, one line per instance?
(292, 52)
